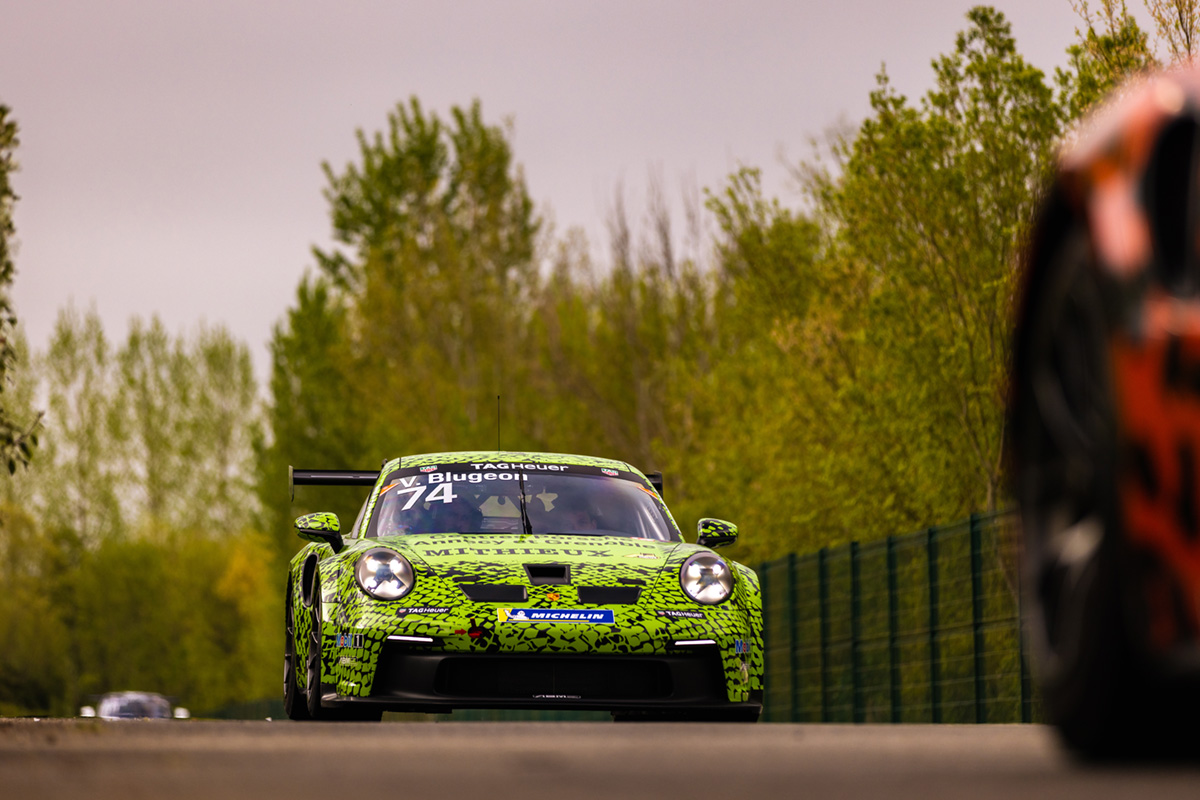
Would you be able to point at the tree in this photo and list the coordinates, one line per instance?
(78, 476)
(442, 234)
(416, 321)
(1178, 23)
(185, 418)
(16, 438)
(1110, 50)
(866, 342)
(134, 519)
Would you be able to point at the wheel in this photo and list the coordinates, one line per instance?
(294, 702)
(1065, 452)
(354, 713)
(312, 662)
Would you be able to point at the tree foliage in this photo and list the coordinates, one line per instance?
(818, 376)
(17, 436)
(1178, 24)
(127, 553)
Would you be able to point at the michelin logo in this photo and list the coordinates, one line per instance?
(570, 615)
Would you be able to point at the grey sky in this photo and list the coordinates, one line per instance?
(170, 152)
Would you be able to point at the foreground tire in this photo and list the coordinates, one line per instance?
(1064, 441)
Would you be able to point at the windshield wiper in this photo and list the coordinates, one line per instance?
(524, 512)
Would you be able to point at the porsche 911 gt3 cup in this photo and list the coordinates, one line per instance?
(517, 580)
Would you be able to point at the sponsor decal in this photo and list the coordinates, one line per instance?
(515, 551)
(553, 597)
(740, 647)
(641, 555)
(350, 640)
(680, 614)
(542, 467)
(557, 697)
(429, 469)
(347, 661)
(400, 612)
(745, 673)
(610, 472)
(556, 615)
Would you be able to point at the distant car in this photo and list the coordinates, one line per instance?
(517, 580)
(134, 705)
(1104, 427)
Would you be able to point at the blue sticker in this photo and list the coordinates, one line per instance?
(740, 647)
(570, 615)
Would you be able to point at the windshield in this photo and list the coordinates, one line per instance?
(482, 498)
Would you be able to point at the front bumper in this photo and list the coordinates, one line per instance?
(416, 678)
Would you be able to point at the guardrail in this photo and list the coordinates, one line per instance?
(917, 628)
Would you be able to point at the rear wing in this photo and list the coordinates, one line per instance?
(329, 477)
(357, 477)
(656, 481)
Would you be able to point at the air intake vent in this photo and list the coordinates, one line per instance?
(588, 679)
(609, 595)
(540, 574)
(494, 592)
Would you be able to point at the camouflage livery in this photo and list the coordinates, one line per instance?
(655, 618)
(320, 521)
(716, 532)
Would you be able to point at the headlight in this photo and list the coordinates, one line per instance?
(706, 578)
(385, 574)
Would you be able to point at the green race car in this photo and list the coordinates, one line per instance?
(517, 580)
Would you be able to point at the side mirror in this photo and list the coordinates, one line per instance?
(715, 532)
(321, 527)
(87, 711)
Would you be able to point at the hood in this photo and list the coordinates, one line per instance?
(595, 560)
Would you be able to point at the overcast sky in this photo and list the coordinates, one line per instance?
(170, 152)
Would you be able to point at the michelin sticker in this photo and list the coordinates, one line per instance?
(568, 615)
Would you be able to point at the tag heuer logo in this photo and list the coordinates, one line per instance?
(611, 472)
(428, 469)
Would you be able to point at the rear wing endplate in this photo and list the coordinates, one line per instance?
(329, 477)
(655, 479)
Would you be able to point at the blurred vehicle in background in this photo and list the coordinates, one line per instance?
(1104, 428)
(134, 705)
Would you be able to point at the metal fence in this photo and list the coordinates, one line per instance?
(916, 628)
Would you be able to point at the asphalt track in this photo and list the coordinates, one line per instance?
(493, 760)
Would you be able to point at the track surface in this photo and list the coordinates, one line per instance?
(266, 760)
